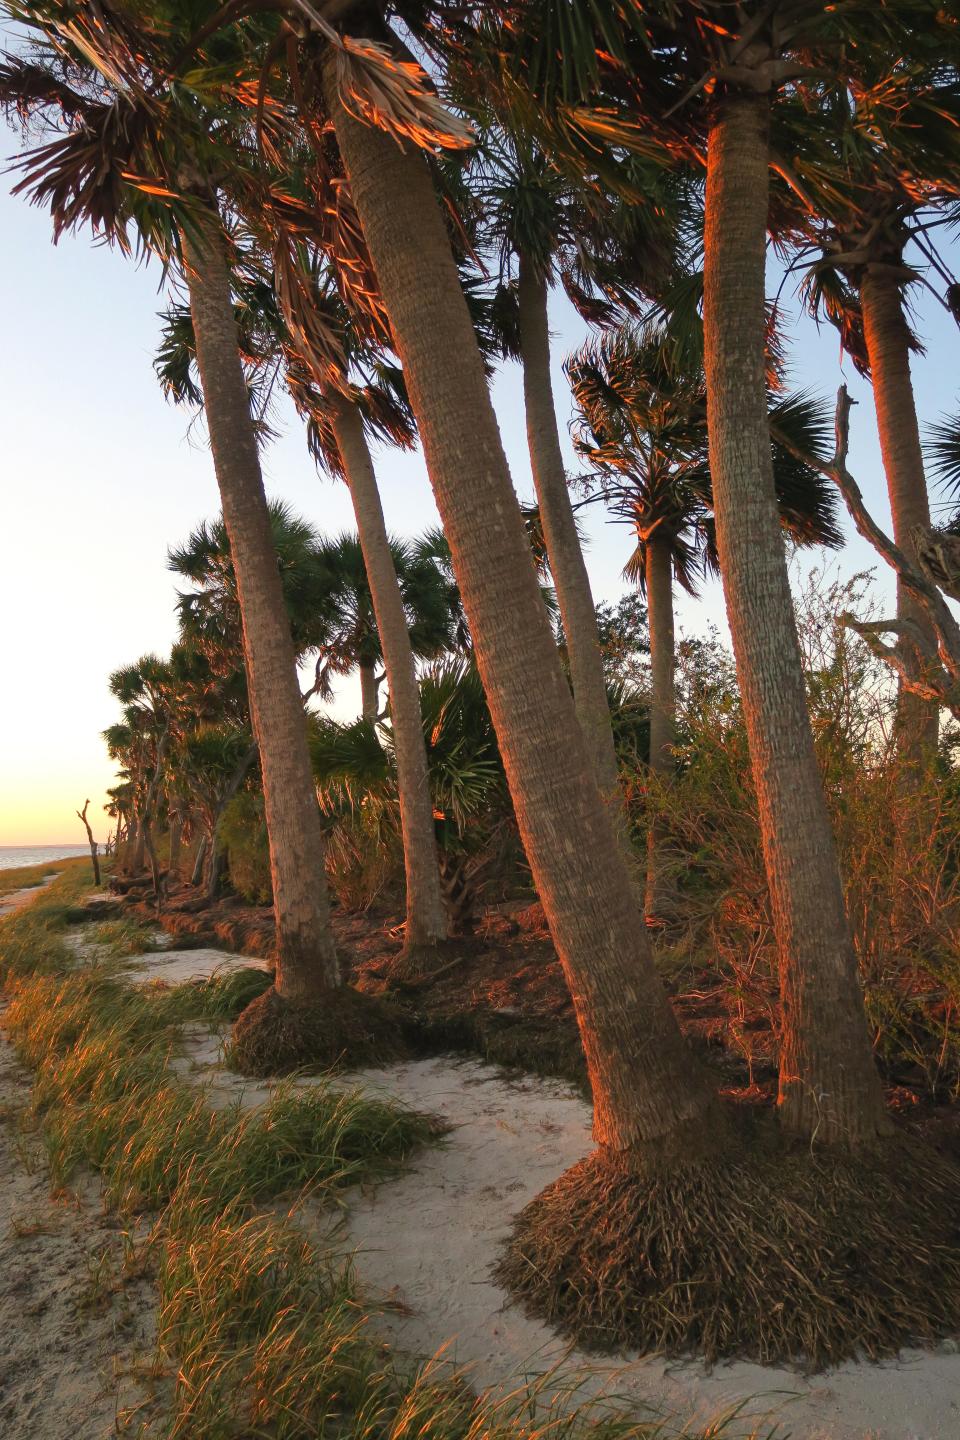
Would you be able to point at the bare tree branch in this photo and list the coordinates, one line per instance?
(912, 656)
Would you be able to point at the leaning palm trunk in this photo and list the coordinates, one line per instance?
(829, 1088)
(426, 916)
(659, 584)
(567, 564)
(645, 1084)
(888, 347)
(306, 958)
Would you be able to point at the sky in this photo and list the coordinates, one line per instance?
(101, 474)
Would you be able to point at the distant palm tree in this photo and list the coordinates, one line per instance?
(346, 634)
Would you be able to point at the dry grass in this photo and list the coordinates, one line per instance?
(262, 1328)
(25, 877)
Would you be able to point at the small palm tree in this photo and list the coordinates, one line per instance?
(882, 173)
(347, 634)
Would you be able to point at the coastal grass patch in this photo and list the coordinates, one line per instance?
(261, 1330)
(26, 877)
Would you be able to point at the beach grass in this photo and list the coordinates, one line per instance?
(25, 877)
(261, 1327)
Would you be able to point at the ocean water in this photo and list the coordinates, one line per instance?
(12, 857)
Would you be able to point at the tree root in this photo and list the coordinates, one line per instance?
(277, 1036)
(770, 1254)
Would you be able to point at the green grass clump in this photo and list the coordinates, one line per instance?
(220, 999)
(261, 1328)
(25, 877)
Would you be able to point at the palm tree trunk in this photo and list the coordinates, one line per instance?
(567, 564)
(829, 1087)
(663, 720)
(173, 857)
(306, 958)
(137, 849)
(369, 689)
(888, 347)
(426, 915)
(645, 1085)
(199, 862)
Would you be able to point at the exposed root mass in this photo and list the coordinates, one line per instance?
(276, 1036)
(771, 1255)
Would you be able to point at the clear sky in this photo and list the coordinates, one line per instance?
(99, 477)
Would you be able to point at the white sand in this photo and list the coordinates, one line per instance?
(77, 1330)
(174, 967)
(15, 899)
(426, 1242)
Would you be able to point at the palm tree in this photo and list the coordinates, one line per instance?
(134, 153)
(883, 176)
(339, 415)
(542, 228)
(671, 81)
(642, 426)
(639, 1092)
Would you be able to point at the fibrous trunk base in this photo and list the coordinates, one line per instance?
(769, 1254)
(277, 1036)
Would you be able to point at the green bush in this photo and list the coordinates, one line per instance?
(243, 835)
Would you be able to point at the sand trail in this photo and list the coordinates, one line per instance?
(425, 1243)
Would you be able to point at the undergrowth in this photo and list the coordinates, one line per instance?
(262, 1327)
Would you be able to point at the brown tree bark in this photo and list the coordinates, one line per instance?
(173, 854)
(646, 1086)
(567, 564)
(888, 347)
(829, 1088)
(426, 914)
(369, 691)
(137, 848)
(94, 858)
(306, 958)
(658, 559)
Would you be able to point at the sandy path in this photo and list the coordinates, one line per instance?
(427, 1241)
(76, 1334)
(14, 899)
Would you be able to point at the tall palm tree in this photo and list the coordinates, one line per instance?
(884, 178)
(642, 426)
(671, 81)
(339, 414)
(639, 1092)
(133, 154)
(543, 228)
(882, 175)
